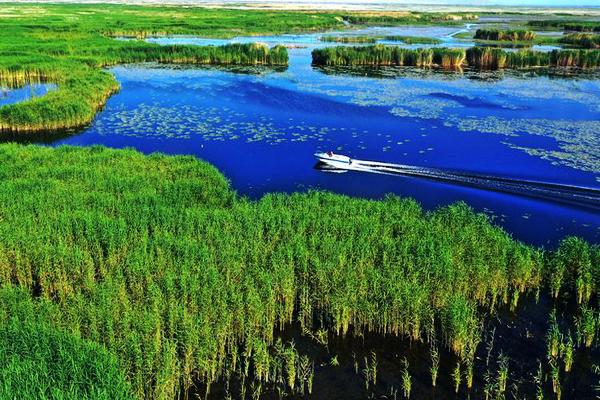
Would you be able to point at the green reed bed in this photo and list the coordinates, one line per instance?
(582, 40)
(380, 55)
(156, 259)
(412, 39)
(407, 18)
(375, 39)
(81, 92)
(504, 35)
(567, 25)
(40, 362)
(475, 57)
(489, 58)
(350, 39)
(230, 54)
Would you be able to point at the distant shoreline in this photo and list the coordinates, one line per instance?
(337, 5)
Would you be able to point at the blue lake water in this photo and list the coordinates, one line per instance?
(16, 95)
(260, 127)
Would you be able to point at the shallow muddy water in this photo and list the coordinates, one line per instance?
(261, 126)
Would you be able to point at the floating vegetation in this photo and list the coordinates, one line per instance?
(215, 124)
(500, 35)
(576, 139)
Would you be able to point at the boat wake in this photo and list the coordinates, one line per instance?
(582, 196)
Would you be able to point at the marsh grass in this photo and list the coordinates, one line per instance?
(447, 58)
(158, 260)
(350, 39)
(37, 361)
(491, 58)
(408, 18)
(412, 39)
(69, 45)
(504, 35)
(84, 89)
(375, 39)
(567, 25)
(380, 55)
(582, 40)
(406, 380)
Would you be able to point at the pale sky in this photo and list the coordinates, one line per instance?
(545, 3)
(356, 4)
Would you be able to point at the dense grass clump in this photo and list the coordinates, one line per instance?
(583, 40)
(380, 55)
(509, 35)
(406, 18)
(155, 258)
(350, 39)
(490, 58)
(39, 362)
(375, 39)
(475, 57)
(567, 25)
(413, 39)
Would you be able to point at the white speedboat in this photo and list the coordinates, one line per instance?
(335, 160)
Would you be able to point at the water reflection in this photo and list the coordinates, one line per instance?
(11, 95)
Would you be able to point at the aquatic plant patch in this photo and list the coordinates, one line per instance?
(475, 57)
(508, 35)
(156, 259)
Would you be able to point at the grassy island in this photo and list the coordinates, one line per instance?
(582, 40)
(156, 260)
(407, 18)
(500, 35)
(350, 39)
(413, 39)
(375, 39)
(567, 25)
(476, 57)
